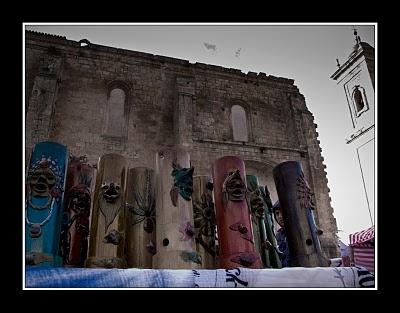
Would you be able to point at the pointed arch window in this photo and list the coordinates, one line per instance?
(239, 123)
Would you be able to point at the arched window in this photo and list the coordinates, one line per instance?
(239, 123)
(115, 113)
(358, 99)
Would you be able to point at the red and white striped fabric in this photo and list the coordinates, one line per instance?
(365, 236)
(365, 257)
(363, 247)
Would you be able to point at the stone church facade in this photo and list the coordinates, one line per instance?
(96, 99)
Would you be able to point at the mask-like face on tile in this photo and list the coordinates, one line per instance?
(41, 181)
(80, 198)
(257, 205)
(235, 187)
(111, 192)
(110, 201)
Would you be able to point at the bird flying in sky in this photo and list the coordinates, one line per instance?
(237, 53)
(210, 46)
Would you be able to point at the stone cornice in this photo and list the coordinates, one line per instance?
(40, 34)
(249, 145)
(250, 77)
(363, 49)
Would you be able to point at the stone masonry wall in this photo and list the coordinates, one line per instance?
(280, 127)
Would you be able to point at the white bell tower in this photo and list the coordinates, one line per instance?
(357, 78)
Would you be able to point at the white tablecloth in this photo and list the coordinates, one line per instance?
(295, 277)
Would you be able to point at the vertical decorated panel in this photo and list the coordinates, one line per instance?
(141, 217)
(44, 204)
(257, 219)
(107, 233)
(175, 230)
(297, 204)
(204, 220)
(271, 242)
(235, 232)
(75, 226)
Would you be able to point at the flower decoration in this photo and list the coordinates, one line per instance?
(55, 192)
(187, 231)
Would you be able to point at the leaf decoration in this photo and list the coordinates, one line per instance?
(245, 259)
(145, 206)
(248, 237)
(174, 195)
(183, 180)
(191, 256)
(242, 229)
(238, 227)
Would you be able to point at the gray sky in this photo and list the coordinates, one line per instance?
(305, 53)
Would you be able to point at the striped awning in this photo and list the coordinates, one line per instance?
(362, 238)
(363, 246)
